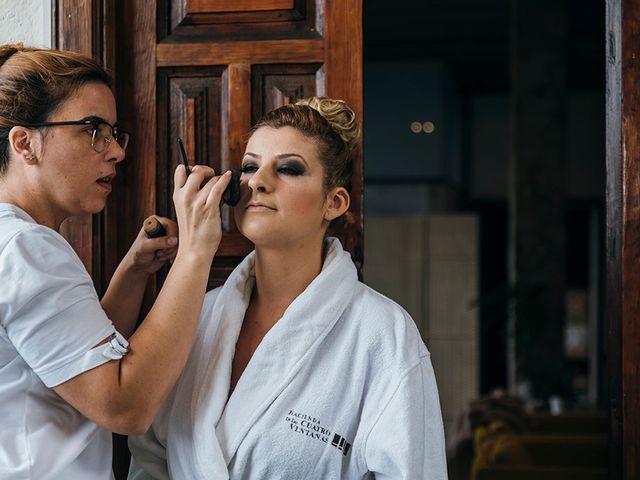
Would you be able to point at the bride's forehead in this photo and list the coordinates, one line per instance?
(283, 138)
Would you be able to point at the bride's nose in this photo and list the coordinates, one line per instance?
(258, 181)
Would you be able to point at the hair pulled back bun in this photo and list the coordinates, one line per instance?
(331, 123)
(339, 115)
(34, 82)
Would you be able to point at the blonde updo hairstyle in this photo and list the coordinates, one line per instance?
(34, 82)
(331, 123)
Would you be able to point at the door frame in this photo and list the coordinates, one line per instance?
(622, 285)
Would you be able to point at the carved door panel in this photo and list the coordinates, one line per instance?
(204, 70)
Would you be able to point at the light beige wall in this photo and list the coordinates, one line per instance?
(429, 265)
(27, 21)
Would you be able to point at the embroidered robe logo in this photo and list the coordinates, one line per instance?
(311, 427)
(341, 444)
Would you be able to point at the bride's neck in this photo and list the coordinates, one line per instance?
(282, 275)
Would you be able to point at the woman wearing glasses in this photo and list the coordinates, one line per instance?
(299, 371)
(68, 374)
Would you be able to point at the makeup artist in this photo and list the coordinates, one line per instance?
(71, 367)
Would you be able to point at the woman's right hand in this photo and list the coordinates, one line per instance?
(197, 201)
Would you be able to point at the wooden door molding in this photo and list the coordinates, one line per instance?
(208, 20)
(623, 236)
(88, 27)
(343, 79)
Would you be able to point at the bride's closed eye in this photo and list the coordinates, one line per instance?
(248, 168)
(292, 169)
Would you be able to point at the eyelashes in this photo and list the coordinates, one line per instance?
(291, 169)
(248, 168)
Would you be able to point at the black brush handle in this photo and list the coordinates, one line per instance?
(183, 154)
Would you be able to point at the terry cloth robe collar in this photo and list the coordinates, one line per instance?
(278, 358)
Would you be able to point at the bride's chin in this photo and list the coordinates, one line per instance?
(267, 240)
(254, 235)
(257, 231)
(264, 242)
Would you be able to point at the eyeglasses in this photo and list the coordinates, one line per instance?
(101, 132)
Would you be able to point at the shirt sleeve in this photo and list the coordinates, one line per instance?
(50, 310)
(407, 440)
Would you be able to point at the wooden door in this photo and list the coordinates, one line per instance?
(205, 70)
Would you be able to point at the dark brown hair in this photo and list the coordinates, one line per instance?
(331, 123)
(34, 82)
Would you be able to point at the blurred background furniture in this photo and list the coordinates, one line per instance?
(497, 439)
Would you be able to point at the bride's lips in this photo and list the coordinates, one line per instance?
(258, 206)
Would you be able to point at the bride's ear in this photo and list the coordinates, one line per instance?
(338, 201)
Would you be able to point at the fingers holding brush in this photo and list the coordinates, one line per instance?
(156, 243)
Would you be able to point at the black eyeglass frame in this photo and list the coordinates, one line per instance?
(95, 123)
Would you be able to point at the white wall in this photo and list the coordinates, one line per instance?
(27, 21)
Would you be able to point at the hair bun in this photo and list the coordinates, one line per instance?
(339, 115)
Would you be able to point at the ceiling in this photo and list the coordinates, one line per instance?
(472, 38)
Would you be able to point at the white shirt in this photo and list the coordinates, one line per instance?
(50, 322)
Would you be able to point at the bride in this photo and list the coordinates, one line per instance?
(299, 370)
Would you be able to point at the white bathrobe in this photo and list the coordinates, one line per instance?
(341, 387)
